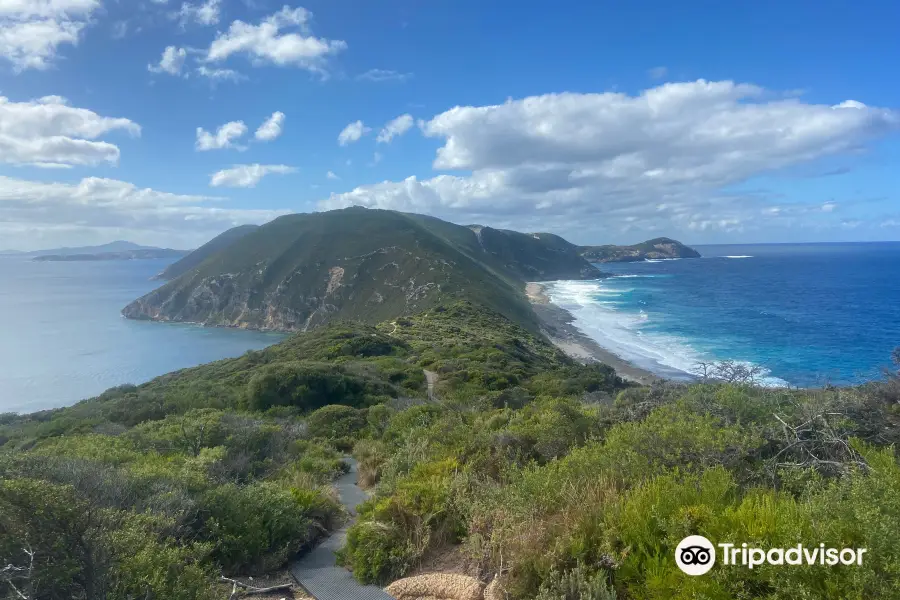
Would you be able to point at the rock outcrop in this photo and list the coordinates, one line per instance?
(658, 248)
(437, 586)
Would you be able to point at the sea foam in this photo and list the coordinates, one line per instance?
(627, 334)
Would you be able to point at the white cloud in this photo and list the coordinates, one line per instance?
(224, 137)
(48, 132)
(216, 75)
(119, 30)
(394, 128)
(829, 207)
(657, 72)
(331, 175)
(662, 158)
(352, 133)
(172, 61)
(266, 43)
(31, 31)
(207, 13)
(272, 128)
(45, 214)
(246, 176)
(379, 75)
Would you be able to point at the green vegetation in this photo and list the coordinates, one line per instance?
(577, 495)
(154, 490)
(218, 243)
(301, 271)
(651, 249)
(560, 478)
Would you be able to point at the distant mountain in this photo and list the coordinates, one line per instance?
(139, 254)
(300, 271)
(656, 248)
(193, 260)
(10, 252)
(117, 246)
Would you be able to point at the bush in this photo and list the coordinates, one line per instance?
(576, 584)
(335, 422)
(309, 386)
(256, 528)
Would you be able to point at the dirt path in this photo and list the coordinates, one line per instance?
(432, 378)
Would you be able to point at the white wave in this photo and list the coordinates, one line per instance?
(624, 334)
(739, 256)
(656, 260)
(636, 276)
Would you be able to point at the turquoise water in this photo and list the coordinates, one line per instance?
(808, 313)
(62, 338)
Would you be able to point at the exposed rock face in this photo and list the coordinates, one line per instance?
(659, 248)
(301, 271)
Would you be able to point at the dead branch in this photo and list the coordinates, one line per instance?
(249, 590)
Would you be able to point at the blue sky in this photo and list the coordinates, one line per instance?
(605, 122)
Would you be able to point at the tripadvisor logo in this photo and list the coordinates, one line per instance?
(696, 555)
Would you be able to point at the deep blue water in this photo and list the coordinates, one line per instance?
(62, 338)
(808, 313)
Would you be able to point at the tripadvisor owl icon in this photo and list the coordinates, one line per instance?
(695, 555)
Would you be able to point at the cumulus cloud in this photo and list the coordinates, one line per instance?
(246, 176)
(97, 209)
(379, 75)
(663, 158)
(217, 75)
(394, 128)
(352, 133)
(225, 137)
(331, 175)
(272, 128)
(267, 43)
(207, 13)
(48, 132)
(31, 31)
(172, 61)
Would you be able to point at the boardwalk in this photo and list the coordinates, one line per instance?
(317, 571)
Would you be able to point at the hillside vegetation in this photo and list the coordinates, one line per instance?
(561, 479)
(301, 271)
(657, 248)
(152, 491)
(193, 260)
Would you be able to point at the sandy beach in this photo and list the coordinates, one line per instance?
(556, 323)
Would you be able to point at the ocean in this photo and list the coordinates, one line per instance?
(62, 338)
(809, 314)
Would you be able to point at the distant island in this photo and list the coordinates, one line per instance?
(141, 254)
(655, 249)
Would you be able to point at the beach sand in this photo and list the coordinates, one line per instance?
(556, 324)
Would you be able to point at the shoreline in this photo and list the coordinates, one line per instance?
(557, 325)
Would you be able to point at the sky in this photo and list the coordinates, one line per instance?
(165, 122)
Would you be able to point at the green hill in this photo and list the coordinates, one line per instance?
(301, 271)
(193, 260)
(656, 248)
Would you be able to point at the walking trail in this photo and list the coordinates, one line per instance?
(318, 571)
